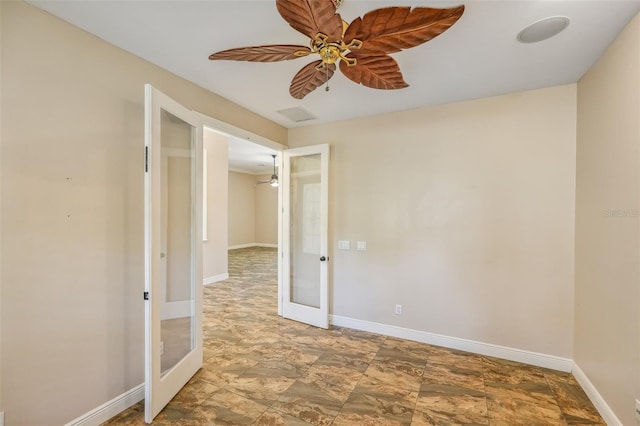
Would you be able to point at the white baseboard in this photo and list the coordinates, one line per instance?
(109, 409)
(240, 246)
(598, 401)
(179, 309)
(215, 279)
(527, 357)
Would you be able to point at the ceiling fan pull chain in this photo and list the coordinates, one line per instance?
(326, 89)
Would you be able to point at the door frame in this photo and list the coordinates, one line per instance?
(231, 130)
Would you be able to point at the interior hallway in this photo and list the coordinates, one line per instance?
(261, 369)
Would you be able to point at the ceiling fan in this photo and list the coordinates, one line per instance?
(361, 48)
(274, 177)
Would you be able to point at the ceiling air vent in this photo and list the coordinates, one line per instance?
(297, 114)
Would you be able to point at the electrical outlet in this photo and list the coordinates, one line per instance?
(638, 410)
(398, 309)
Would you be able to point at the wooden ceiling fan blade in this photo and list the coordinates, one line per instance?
(392, 29)
(267, 53)
(311, 17)
(375, 71)
(310, 77)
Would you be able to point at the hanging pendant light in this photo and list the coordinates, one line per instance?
(274, 177)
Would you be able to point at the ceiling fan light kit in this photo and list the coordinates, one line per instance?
(361, 48)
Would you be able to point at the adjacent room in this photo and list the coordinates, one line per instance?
(463, 179)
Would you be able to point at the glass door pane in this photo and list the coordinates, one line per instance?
(178, 174)
(304, 196)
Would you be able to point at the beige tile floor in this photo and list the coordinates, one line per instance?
(260, 369)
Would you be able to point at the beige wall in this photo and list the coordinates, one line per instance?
(253, 210)
(72, 213)
(607, 333)
(266, 207)
(214, 251)
(468, 212)
(242, 209)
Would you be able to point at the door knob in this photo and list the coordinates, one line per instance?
(324, 259)
(161, 255)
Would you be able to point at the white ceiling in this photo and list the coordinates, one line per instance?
(478, 57)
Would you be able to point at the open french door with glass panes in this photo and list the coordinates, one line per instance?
(173, 247)
(305, 256)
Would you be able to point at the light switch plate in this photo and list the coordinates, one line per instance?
(362, 245)
(344, 245)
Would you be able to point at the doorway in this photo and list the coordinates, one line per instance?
(253, 210)
(298, 219)
(241, 214)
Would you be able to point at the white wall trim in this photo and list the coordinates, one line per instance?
(598, 401)
(512, 354)
(1, 418)
(109, 409)
(240, 246)
(215, 279)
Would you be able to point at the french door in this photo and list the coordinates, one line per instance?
(304, 269)
(173, 249)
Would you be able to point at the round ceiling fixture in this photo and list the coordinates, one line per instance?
(543, 29)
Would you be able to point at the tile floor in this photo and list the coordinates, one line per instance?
(260, 369)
